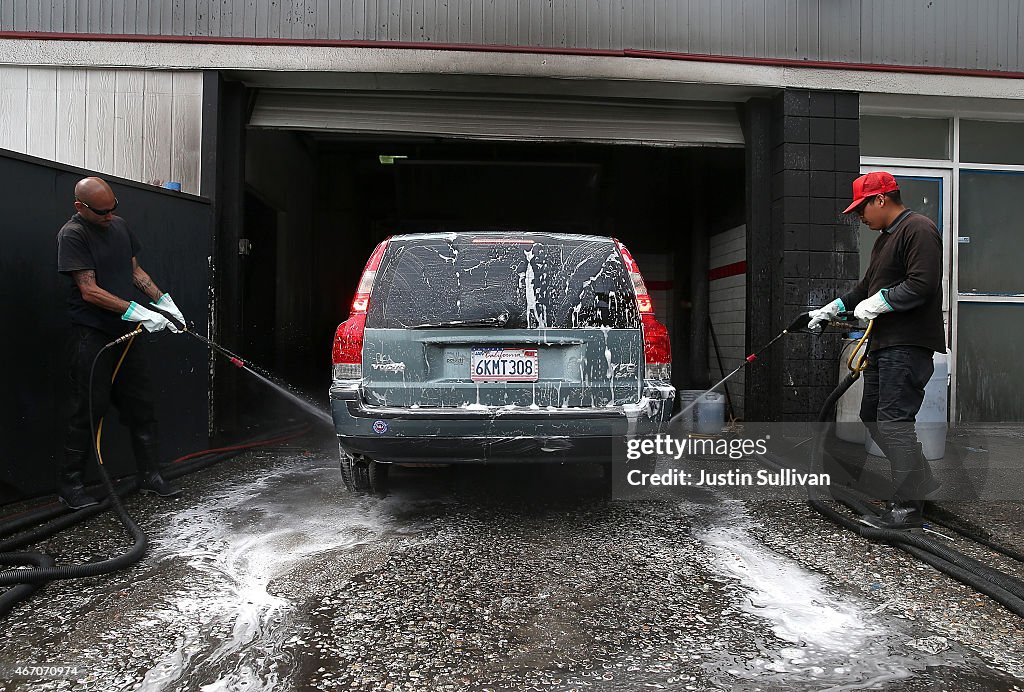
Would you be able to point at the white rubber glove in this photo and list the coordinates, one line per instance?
(166, 303)
(824, 314)
(873, 306)
(152, 321)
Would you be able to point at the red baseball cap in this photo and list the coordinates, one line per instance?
(869, 185)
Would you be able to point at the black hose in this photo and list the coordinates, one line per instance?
(968, 577)
(1003, 588)
(92, 569)
(53, 527)
(905, 540)
(57, 518)
(27, 581)
(943, 517)
(1009, 600)
(20, 592)
(32, 518)
(66, 519)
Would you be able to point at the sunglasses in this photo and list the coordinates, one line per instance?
(99, 212)
(864, 205)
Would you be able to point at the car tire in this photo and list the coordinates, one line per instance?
(364, 475)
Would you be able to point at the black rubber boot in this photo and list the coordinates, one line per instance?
(70, 489)
(151, 482)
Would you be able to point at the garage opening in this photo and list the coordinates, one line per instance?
(317, 203)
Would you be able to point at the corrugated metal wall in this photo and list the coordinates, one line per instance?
(951, 33)
(135, 124)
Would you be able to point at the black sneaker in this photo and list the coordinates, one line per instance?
(76, 497)
(898, 517)
(154, 484)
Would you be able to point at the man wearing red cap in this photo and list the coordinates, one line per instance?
(902, 292)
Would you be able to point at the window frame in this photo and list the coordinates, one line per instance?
(951, 201)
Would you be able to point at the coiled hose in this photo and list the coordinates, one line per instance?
(27, 581)
(45, 570)
(999, 586)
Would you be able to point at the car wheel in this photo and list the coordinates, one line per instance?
(364, 475)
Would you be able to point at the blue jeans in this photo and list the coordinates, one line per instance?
(894, 383)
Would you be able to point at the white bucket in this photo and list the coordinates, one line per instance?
(707, 417)
(932, 422)
(848, 425)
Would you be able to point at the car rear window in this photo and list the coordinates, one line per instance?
(502, 281)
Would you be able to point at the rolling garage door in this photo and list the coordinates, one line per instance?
(489, 117)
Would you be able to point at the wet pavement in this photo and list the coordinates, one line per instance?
(267, 575)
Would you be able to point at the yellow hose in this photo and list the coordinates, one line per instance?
(862, 361)
(99, 427)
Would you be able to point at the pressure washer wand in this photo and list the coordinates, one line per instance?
(236, 360)
(267, 379)
(800, 324)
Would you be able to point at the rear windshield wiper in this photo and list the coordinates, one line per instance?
(499, 320)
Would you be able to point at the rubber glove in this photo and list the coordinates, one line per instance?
(873, 306)
(166, 303)
(824, 314)
(152, 321)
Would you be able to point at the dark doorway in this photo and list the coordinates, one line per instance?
(259, 281)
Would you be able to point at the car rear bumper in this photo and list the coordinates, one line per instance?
(494, 435)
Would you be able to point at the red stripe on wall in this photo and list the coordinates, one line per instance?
(734, 269)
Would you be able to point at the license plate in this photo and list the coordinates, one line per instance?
(504, 365)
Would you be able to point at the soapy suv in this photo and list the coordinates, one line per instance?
(496, 347)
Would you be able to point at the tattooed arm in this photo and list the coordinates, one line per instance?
(85, 279)
(144, 283)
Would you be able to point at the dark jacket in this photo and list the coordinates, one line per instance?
(907, 261)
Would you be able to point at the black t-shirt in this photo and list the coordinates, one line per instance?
(107, 251)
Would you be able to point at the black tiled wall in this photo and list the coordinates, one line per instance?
(815, 157)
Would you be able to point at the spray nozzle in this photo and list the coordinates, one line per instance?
(237, 362)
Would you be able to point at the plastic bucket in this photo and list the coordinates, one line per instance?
(848, 425)
(932, 422)
(707, 417)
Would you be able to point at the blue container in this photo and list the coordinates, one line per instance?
(173, 185)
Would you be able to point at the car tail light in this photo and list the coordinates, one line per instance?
(362, 300)
(657, 349)
(347, 353)
(657, 346)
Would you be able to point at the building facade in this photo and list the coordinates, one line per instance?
(717, 138)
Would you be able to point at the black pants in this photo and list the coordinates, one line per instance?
(894, 383)
(131, 392)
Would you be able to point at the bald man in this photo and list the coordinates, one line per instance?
(97, 250)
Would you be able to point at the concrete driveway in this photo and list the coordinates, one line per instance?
(267, 575)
